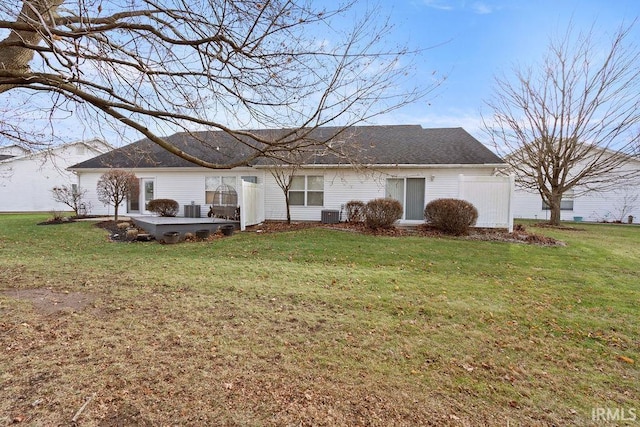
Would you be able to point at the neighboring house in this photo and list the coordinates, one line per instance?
(614, 204)
(406, 162)
(12, 151)
(26, 178)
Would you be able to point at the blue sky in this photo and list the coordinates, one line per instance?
(487, 38)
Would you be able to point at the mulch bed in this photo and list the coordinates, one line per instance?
(118, 231)
(519, 234)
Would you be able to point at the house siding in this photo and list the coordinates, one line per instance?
(343, 185)
(596, 207)
(611, 205)
(340, 186)
(87, 181)
(26, 182)
(13, 150)
(183, 186)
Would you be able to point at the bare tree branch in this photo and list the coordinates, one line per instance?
(165, 66)
(570, 123)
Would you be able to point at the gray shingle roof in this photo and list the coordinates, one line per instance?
(380, 145)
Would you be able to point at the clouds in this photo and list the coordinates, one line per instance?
(481, 8)
(478, 7)
(439, 4)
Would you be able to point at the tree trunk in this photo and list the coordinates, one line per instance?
(286, 197)
(555, 204)
(17, 58)
(115, 212)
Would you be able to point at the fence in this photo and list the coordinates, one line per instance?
(492, 196)
(252, 207)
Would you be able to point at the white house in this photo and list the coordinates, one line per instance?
(406, 162)
(615, 204)
(26, 178)
(12, 151)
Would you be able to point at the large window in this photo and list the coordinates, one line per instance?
(566, 204)
(306, 191)
(211, 183)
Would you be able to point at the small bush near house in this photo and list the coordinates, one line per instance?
(58, 216)
(164, 207)
(355, 211)
(382, 213)
(451, 216)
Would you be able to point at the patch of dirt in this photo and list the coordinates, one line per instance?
(57, 221)
(46, 301)
(65, 219)
(124, 416)
(558, 227)
(518, 235)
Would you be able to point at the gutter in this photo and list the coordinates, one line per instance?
(309, 166)
(397, 166)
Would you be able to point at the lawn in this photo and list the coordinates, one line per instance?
(317, 327)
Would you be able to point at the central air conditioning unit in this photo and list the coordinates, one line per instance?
(192, 211)
(330, 216)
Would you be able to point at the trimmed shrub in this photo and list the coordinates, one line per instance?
(451, 216)
(355, 211)
(163, 207)
(382, 213)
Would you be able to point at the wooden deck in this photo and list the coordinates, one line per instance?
(157, 225)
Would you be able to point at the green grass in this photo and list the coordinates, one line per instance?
(321, 327)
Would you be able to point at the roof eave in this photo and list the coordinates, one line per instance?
(397, 165)
(157, 169)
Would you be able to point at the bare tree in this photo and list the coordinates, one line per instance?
(625, 203)
(571, 122)
(339, 146)
(115, 186)
(70, 196)
(283, 175)
(164, 66)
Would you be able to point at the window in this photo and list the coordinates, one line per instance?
(566, 204)
(251, 179)
(395, 189)
(211, 183)
(306, 191)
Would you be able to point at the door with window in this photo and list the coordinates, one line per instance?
(133, 202)
(410, 193)
(147, 186)
(139, 198)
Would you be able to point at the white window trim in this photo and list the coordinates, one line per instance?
(306, 191)
(566, 204)
(221, 179)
